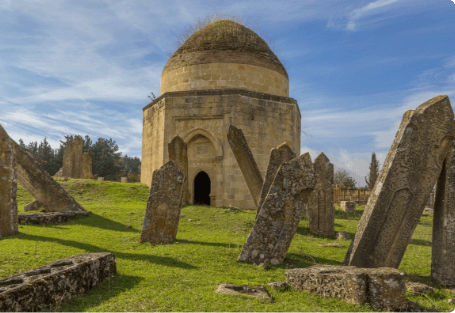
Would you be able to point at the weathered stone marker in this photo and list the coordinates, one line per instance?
(382, 287)
(246, 162)
(100, 179)
(33, 206)
(276, 224)
(410, 171)
(178, 152)
(320, 205)
(72, 158)
(161, 218)
(87, 166)
(8, 188)
(39, 183)
(278, 155)
(443, 243)
(348, 206)
(124, 179)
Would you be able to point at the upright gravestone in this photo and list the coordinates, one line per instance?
(279, 155)
(87, 166)
(398, 198)
(276, 224)
(178, 152)
(72, 158)
(8, 188)
(161, 218)
(246, 162)
(320, 205)
(39, 183)
(443, 244)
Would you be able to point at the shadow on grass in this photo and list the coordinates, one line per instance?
(109, 288)
(420, 242)
(305, 260)
(348, 216)
(305, 231)
(155, 259)
(203, 243)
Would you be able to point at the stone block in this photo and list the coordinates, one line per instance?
(384, 288)
(178, 152)
(8, 188)
(320, 206)
(87, 166)
(49, 286)
(252, 291)
(348, 206)
(246, 162)
(443, 243)
(276, 224)
(408, 176)
(72, 158)
(100, 178)
(124, 179)
(39, 183)
(164, 203)
(33, 206)
(279, 155)
(50, 218)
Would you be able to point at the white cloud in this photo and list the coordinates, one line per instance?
(371, 8)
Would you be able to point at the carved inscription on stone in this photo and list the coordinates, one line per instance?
(278, 155)
(246, 162)
(161, 218)
(443, 243)
(410, 171)
(276, 224)
(320, 205)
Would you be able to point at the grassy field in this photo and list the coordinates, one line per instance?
(183, 276)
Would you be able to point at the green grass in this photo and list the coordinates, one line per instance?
(183, 276)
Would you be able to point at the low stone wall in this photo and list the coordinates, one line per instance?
(46, 287)
(50, 218)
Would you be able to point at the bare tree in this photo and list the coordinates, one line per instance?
(342, 178)
(374, 172)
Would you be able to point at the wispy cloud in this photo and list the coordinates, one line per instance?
(370, 9)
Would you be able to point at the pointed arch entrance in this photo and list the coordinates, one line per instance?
(202, 188)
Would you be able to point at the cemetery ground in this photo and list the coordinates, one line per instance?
(184, 275)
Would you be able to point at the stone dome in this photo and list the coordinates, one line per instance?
(225, 54)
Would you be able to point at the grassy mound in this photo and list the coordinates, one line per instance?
(183, 276)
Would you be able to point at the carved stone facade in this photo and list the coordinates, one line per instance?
(204, 92)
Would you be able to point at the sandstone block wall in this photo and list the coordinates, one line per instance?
(225, 75)
(202, 119)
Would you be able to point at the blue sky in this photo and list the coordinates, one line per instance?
(87, 67)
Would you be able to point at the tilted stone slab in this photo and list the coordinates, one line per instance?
(246, 162)
(320, 205)
(443, 243)
(39, 183)
(46, 287)
(278, 155)
(402, 189)
(50, 218)
(348, 206)
(8, 188)
(33, 206)
(276, 224)
(382, 287)
(164, 203)
(178, 152)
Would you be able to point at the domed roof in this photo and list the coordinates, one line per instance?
(225, 41)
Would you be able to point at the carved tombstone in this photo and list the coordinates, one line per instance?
(348, 206)
(246, 162)
(279, 155)
(178, 153)
(320, 205)
(276, 224)
(8, 188)
(443, 244)
(402, 189)
(161, 218)
(87, 166)
(39, 183)
(72, 158)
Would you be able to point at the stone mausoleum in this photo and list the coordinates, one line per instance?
(223, 74)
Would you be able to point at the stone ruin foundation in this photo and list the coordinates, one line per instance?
(413, 164)
(246, 162)
(164, 203)
(383, 287)
(8, 188)
(50, 218)
(320, 205)
(276, 224)
(47, 287)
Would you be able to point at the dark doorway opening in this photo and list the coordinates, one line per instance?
(202, 189)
